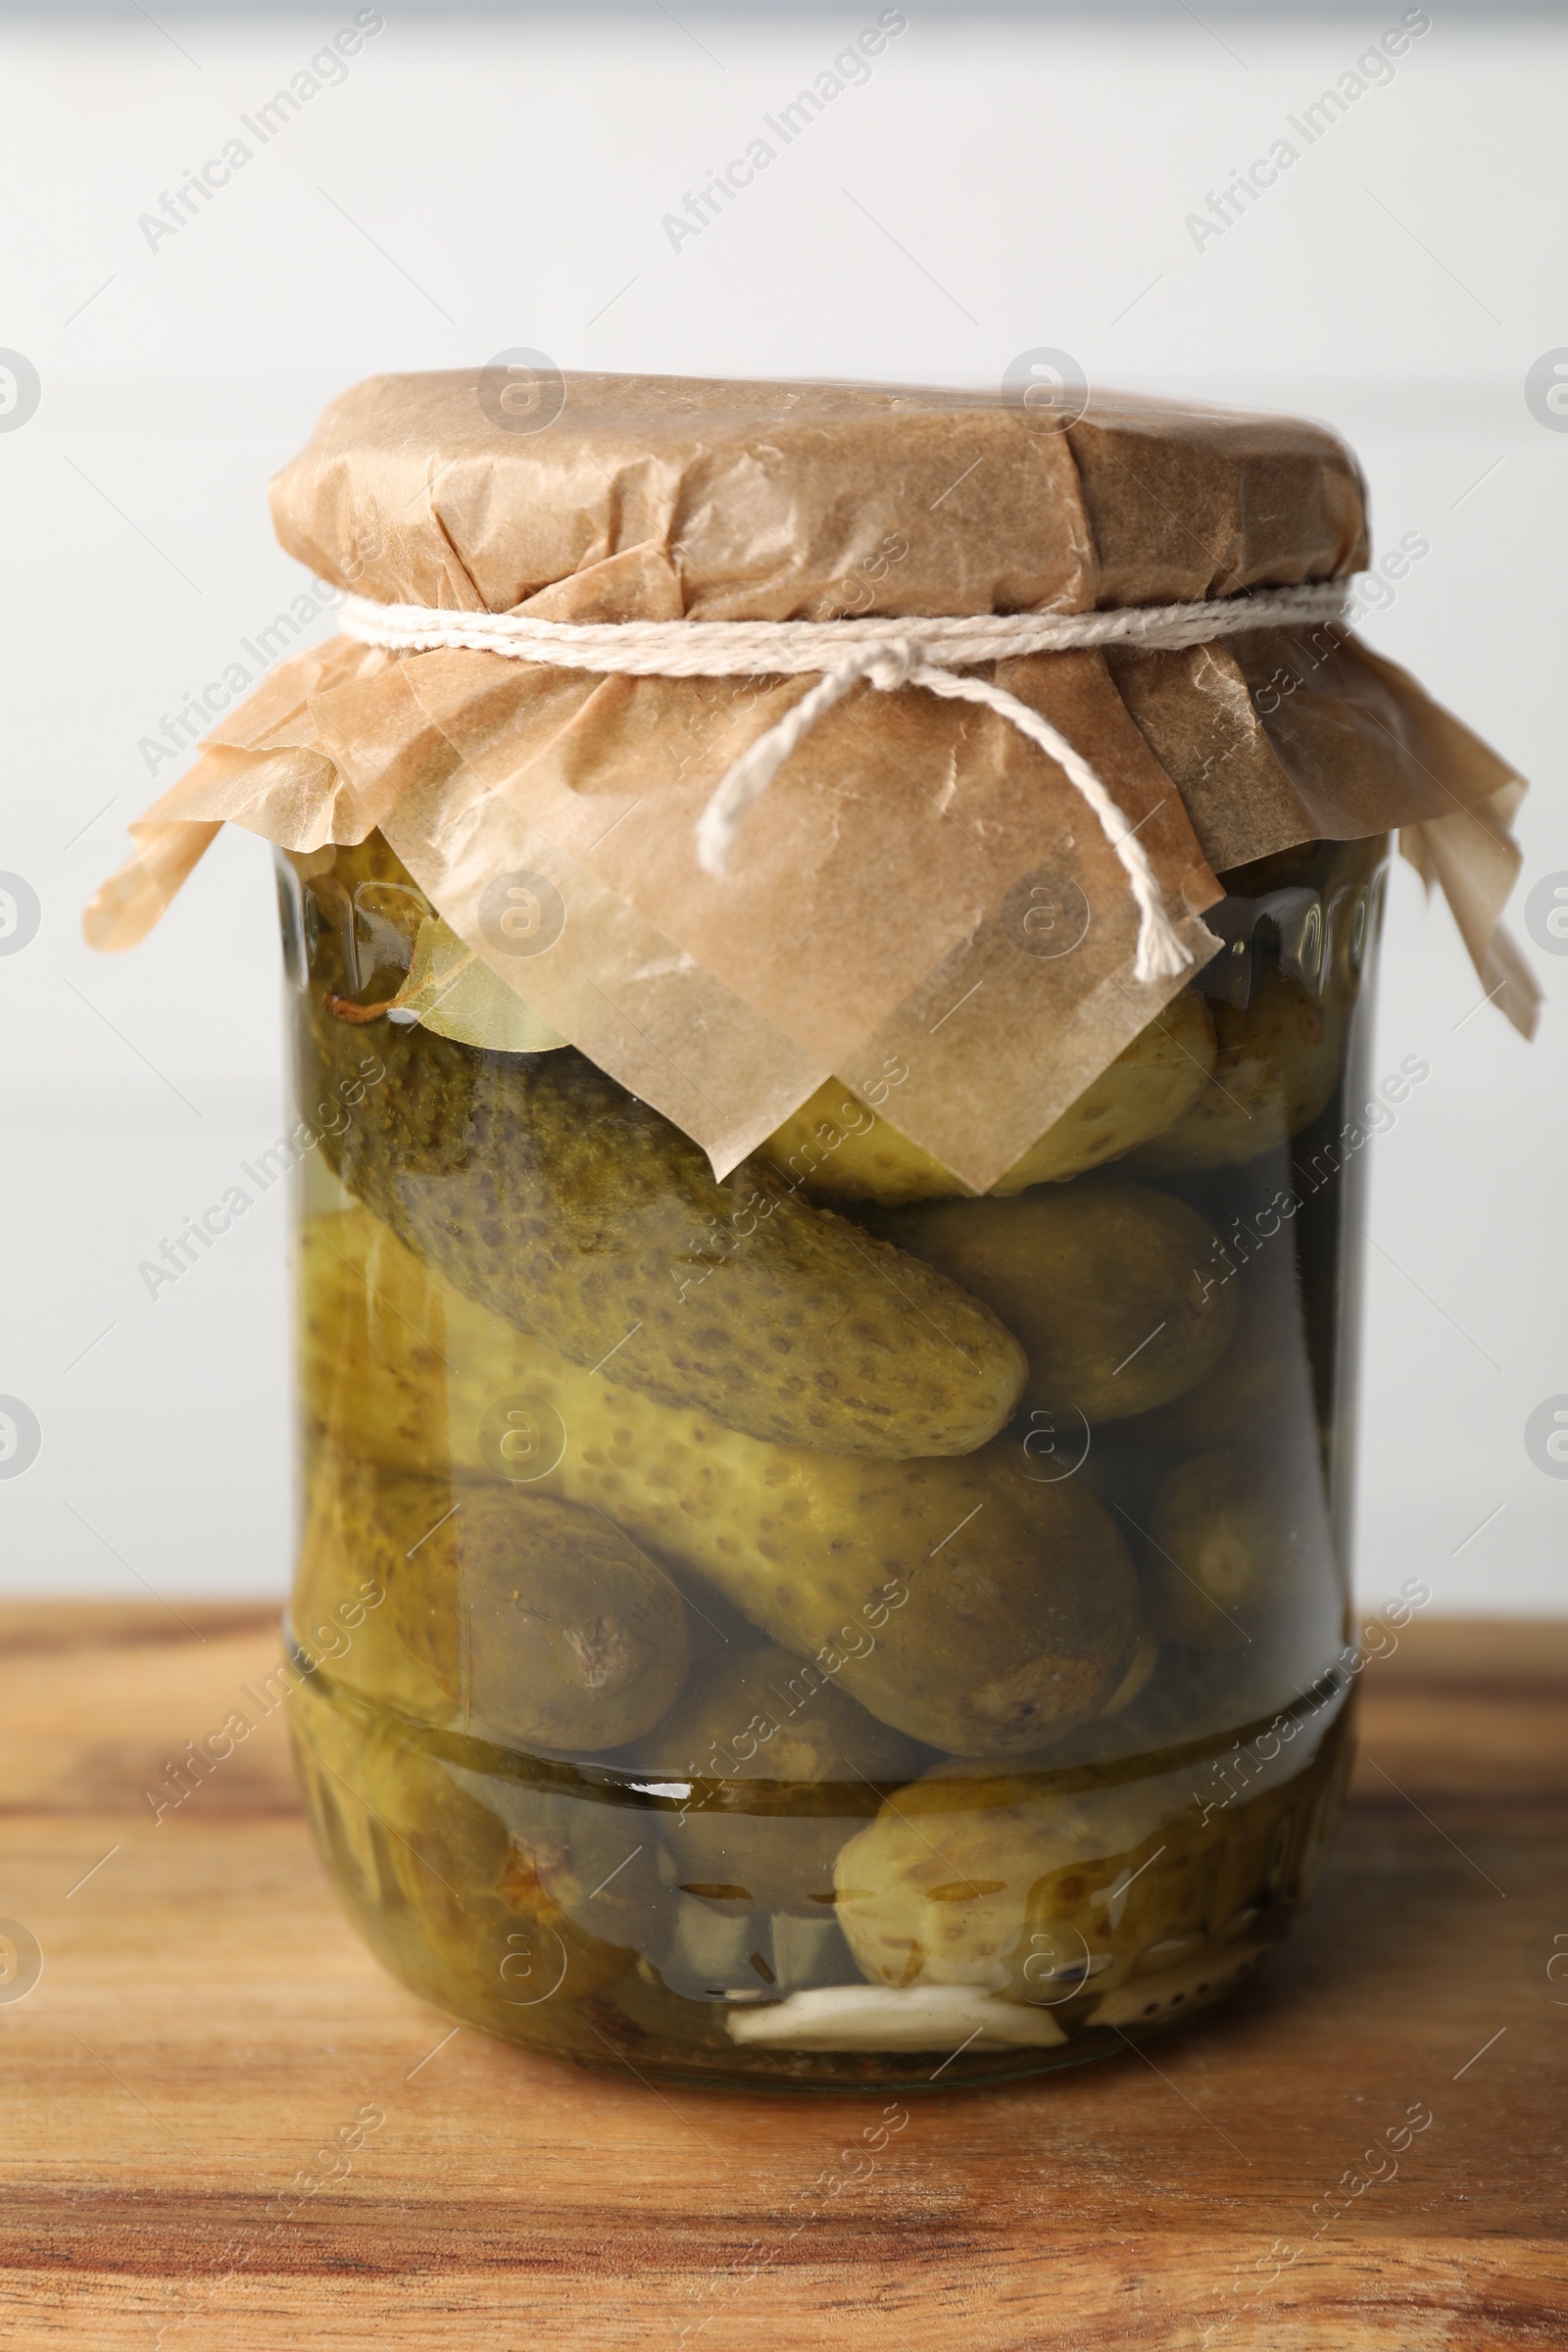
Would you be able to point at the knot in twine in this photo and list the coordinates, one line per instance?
(938, 655)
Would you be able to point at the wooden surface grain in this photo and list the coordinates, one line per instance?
(205, 2023)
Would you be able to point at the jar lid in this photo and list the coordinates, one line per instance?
(577, 497)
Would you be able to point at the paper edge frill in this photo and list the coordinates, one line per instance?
(307, 795)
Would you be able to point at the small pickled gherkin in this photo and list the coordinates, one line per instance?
(840, 1150)
(1278, 1063)
(960, 1880)
(961, 1602)
(1282, 1051)
(540, 1188)
(441, 1883)
(767, 1716)
(1240, 1552)
(535, 1622)
(1106, 1284)
(1110, 1903)
(1259, 1393)
(732, 1890)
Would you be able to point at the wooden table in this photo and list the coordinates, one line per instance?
(204, 2022)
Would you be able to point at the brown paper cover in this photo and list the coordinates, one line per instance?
(871, 923)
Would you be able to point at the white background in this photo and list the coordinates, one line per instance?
(1003, 182)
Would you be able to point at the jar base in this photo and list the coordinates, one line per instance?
(452, 1876)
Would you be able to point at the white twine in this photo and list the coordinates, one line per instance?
(886, 654)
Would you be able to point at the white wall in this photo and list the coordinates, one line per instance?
(472, 185)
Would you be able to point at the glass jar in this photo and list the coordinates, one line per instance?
(824, 1626)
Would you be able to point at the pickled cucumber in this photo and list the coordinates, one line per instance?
(770, 1716)
(1259, 1394)
(537, 1623)
(542, 1189)
(1240, 1552)
(959, 1601)
(449, 1893)
(1108, 1286)
(1277, 1067)
(1052, 1896)
(840, 1150)
(1005, 1884)
(782, 1763)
